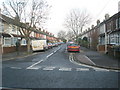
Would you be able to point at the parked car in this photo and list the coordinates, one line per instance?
(50, 45)
(73, 47)
(55, 44)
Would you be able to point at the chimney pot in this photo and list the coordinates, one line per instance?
(98, 22)
(107, 16)
(92, 26)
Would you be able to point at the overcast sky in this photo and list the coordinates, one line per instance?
(97, 9)
(60, 8)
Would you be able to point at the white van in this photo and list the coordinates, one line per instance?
(39, 45)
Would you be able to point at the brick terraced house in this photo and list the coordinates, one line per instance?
(9, 35)
(105, 36)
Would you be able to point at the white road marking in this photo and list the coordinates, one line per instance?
(70, 57)
(55, 51)
(15, 67)
(72, 60)
(99, 69)
(49, 55)
(96, 69)
(82, 69)
(34, 68)
(115, 70)
(49, 68)
(5, 88)
(89, 59)
(65, 69)
(34, 64)
(42, 60)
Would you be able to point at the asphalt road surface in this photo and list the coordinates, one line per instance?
(55, 68)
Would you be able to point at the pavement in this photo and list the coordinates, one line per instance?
(86, 56)
(15, 55)
(94, 58)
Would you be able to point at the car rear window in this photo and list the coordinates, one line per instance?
(73, 45)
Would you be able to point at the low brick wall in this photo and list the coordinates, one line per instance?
(111, 52)
(13, 49)
(117, 54)
(101, 48)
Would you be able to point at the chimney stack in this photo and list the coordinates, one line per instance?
(98, 22)
(107, 16)
(92, 26)
(88, 29)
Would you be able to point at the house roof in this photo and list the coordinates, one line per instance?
(20, 24)
(5, 35)
(117, 15)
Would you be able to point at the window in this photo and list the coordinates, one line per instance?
(1, 27)
(103, 40)
(116, 23)
(112, 38)
(13, 28)
(99, 39)
(109, 26)
(119, 23)
(115, 38)
(7, 41)
(23, 42)
(118, 38)
(108, 39)
(14, 40)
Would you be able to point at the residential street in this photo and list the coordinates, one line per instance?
(55, 68)
(56, 44)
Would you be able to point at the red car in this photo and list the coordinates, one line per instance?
(73, 47)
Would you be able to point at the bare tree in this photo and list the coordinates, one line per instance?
(61, 34)
(14, 9)
(34, 13)
(70, 35)
(94, 40)
(76, 20)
